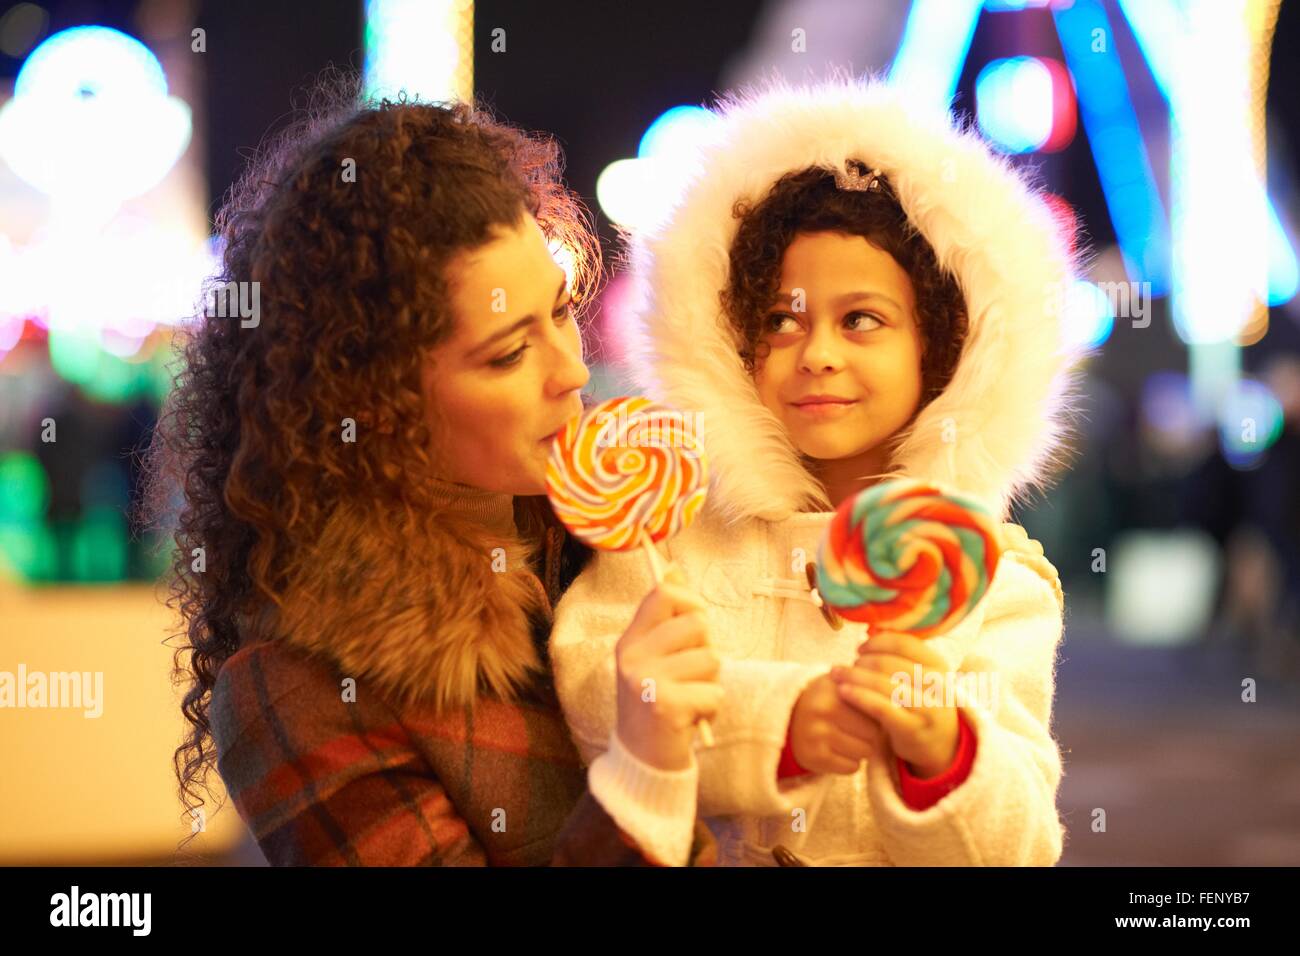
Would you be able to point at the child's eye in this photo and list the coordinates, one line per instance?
(852, 318)
(508, 361)
(774, 322)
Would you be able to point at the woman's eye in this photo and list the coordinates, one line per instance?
(507, 361)
(852, 318)
(776, 322)
(563, 312)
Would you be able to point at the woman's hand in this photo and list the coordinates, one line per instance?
(883, 686)
(827, 734)
(666, 674)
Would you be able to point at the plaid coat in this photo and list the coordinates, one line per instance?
(326, 771)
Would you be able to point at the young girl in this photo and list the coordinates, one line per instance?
(850, 290)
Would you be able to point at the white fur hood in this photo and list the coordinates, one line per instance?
(997, 430)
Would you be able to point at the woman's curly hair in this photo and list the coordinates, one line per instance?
(809, 201)
(345, 220)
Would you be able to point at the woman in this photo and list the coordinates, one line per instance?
(365, 563)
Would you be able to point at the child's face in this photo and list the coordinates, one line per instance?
(856, 341)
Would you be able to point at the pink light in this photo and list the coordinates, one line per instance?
(1065, 107)
(1067, 220)
(11, 331)
(620, 300)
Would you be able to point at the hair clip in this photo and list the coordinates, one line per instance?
(856, 179)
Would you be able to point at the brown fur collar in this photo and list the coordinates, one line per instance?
(424, 618)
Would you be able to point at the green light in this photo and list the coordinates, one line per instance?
(29, 548)
(99, 546)
(162, 366)
(74, 356)
(115, 380)
(157, 560)
(102, 375)
(24, 488)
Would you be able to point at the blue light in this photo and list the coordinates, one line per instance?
(1250, 422)
(1157, 26)
(1122, 162)
(677, 129)
(87, 61)
(91, 121)
(1013, 103)
(1283, 271)
(1089, 315)
(935, 43)
(1013, 6)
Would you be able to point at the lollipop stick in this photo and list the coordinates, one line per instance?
(656, 559)
(657, 571)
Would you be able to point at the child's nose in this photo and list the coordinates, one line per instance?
(822, 352)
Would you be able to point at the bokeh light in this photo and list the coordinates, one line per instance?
(1250, 422)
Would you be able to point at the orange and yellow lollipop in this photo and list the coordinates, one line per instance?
(628, 473)
(625, 470)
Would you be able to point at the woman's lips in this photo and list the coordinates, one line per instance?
(823, 410)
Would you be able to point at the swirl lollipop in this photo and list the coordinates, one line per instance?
(625, 471)
(628, 473)
(905, 556)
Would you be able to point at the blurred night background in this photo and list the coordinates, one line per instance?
(1168, 128)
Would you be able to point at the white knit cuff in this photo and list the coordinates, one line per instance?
(738, 776)
(655, 807)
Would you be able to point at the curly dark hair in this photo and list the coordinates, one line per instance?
(809, 201)
(350, 271)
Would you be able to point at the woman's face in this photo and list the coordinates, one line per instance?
(511, 374)
(843, 373)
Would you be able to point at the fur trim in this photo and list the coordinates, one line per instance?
(430, 623)
(997, 429)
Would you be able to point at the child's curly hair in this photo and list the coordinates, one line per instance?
(809, 201)
(346, 221)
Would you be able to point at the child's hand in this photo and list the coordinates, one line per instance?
(924, 736)
(827, 735)
(667, 675)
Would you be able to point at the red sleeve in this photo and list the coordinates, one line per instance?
(789, 767)
(922, 793)
(918, 793)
